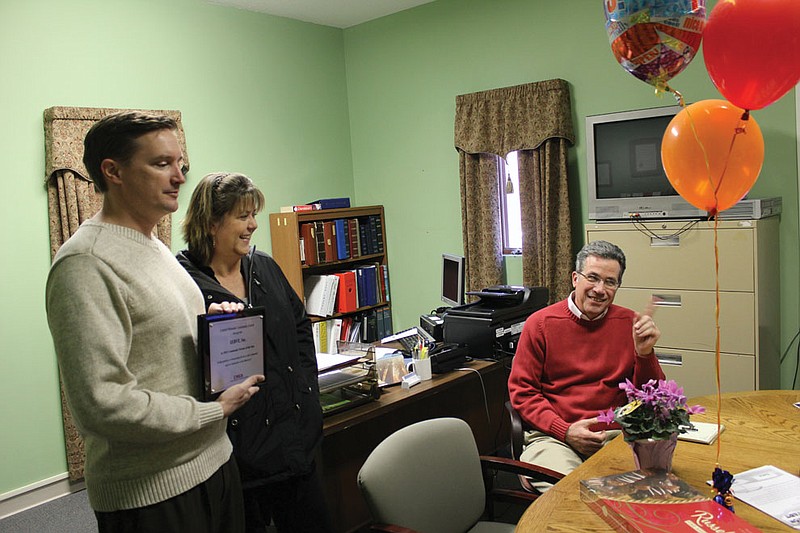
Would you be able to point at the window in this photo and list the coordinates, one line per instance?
(511, 222)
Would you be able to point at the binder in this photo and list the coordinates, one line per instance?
(370, 284)
(320, 294)
(360, 289)
(346, 292)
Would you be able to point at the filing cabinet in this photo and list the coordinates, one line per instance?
(675, 262)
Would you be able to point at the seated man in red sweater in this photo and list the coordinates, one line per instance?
(571, 357)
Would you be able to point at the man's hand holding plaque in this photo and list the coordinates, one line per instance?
(231, 345)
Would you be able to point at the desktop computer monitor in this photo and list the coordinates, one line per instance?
(453, 279)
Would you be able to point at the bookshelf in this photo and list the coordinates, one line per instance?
(301, 262)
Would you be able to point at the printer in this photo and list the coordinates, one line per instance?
(492, 325)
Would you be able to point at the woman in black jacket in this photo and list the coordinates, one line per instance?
(276, 434)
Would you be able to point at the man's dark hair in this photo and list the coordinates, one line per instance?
(604, 250)
(114, 137)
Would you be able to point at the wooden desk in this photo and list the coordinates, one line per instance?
(762, 427)
(350, 436)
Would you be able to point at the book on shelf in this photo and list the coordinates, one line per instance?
(334, 331)
(319, 238)
(384, 322)
(332, 203)
(649, 501)
(352, 232)
(378, 234)
(319, 331)
(384, 282)
(371, 326)
(300, 208)
(308, 247)
(320, 294)
(363, 235)
(342, 239)
(329, 234)
(372, 230)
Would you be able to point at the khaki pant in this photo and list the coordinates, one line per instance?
(544, 450)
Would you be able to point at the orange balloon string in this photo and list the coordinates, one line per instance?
(716, 322)
(740, 129)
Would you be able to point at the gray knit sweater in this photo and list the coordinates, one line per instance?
(123, 316)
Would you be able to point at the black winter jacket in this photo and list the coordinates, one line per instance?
(275, 435)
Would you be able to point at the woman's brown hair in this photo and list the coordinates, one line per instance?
(217, 194)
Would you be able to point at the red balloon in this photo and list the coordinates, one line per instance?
(752, 50)
(655, 39)
(711, 156)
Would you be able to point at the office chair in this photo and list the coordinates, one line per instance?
(428, 477)
(518, 427)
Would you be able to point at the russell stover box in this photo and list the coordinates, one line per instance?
(491, 326)
(645, 501)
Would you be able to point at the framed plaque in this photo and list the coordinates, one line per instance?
(231, 346)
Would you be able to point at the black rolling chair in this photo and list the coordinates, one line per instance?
(518, 428)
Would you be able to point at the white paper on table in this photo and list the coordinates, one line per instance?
(327, 361)
(772, 491)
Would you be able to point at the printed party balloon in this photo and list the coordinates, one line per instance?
(655, 39)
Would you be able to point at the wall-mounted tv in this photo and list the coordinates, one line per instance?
(626, 179)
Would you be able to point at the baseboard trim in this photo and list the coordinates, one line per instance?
(43, 491)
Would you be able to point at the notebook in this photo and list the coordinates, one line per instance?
(703, 432)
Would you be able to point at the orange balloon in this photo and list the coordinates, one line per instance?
(711, 156)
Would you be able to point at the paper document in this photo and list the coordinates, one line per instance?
(327, 361)
(772, 491)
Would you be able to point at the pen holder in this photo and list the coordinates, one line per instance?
(421, 367)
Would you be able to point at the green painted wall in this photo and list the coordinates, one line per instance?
(403, 75)
(283, 101)
(261, 95)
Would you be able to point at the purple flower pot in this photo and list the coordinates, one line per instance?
(654, 454)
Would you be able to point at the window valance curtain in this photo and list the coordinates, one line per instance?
(534, 119)
(71, 199)
(505, 120)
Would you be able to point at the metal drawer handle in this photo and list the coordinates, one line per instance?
(672, 359)
(667, 300)
(673, 240)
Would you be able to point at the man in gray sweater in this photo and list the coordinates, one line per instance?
(123, 316)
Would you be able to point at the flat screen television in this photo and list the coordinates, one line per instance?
(453, 279)
(625, 174)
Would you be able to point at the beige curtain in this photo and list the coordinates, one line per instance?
(72, 199)
(534, 119)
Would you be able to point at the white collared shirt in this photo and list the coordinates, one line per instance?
(577, 312)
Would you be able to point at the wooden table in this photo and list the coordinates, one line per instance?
(350, 436)
(762, 428)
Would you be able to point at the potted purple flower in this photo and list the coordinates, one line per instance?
(652, 420)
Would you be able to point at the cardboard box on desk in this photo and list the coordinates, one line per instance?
(644, 501)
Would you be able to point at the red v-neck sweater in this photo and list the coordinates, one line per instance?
(568, 369)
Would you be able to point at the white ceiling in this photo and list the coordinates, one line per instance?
(336, 13)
